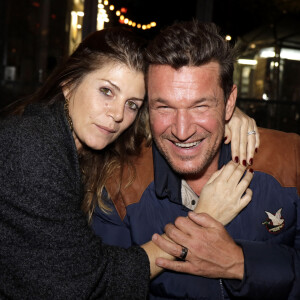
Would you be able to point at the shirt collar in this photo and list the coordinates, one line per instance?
(168, 183)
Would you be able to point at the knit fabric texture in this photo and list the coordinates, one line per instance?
(47, 249)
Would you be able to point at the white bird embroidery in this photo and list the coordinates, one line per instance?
(276, 219)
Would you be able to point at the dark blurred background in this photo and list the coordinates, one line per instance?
(36, 35)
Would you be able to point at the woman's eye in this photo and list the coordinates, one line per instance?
(106, 91)
(132, 105)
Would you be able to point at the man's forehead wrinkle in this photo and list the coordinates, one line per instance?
(185, 86)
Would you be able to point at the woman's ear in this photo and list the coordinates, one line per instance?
(230, 105)
(65, 90)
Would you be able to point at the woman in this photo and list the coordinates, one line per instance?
(93, 102)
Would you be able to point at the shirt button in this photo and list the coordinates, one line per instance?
(193, 202)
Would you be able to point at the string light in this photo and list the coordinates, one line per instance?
(102, 14)
(103, 17)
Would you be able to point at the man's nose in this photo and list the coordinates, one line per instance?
(183, 127)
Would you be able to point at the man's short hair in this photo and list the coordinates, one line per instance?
(194, 43)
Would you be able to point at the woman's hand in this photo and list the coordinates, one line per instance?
(243, 145)
(222, 196)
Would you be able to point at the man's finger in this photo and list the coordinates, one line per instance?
(166, 245)
(178, 266)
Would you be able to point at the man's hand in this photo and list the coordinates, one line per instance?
(212, 252)
(243, 146)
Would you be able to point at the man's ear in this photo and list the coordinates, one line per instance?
(230, 105)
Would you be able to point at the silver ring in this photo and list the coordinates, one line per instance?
(252, 132)
(184, 252)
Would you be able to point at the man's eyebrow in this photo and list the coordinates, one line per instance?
(200, 100)
(203, 99)
(160, 100)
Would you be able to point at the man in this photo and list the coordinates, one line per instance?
(191, 96)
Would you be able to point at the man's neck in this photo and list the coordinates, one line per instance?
(197, 182)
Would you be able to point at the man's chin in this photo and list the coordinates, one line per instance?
(187, 170)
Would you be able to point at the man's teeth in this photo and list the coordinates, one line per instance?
(187, 145)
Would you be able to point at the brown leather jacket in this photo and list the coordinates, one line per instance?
(278, 155)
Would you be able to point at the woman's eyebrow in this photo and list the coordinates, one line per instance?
(137, 99)
(114, 85)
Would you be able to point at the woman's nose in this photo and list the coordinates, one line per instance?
(116, 111)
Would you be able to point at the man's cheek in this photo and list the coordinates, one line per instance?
(159, 124)
(210, 121)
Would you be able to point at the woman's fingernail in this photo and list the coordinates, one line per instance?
(236, 159)
(250, 161)
(244, 163)
(225, 138)
(251, 170)
(256, 150)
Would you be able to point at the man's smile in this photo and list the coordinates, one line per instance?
(188, 145)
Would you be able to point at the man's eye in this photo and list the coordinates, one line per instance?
(106, 91)
(202, 107)
(132, 105)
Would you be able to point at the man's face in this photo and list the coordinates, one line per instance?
(188, 114)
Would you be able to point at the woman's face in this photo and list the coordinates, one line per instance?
(104, 104)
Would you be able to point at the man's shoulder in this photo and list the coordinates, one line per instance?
(271, 135)
(279, 156)
(131, 191)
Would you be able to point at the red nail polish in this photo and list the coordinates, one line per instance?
(244, 163)
(256, 150)
(236, 159)
(225, 138)
(251, 170)
(251, 161)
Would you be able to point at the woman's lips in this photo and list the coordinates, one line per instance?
(106, 129)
